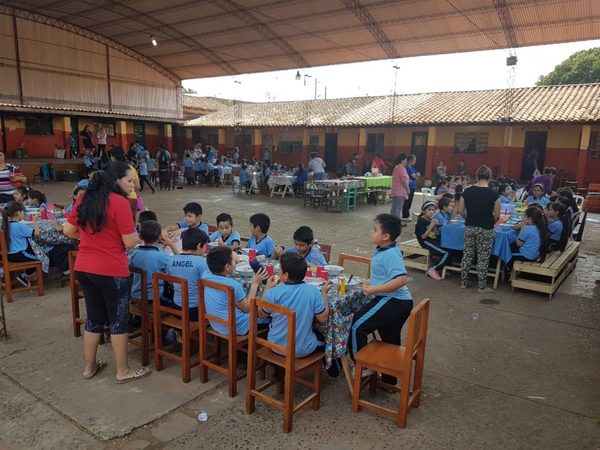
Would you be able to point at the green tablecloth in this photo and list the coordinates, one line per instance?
(374, 182)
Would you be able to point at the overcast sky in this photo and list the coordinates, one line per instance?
(451, 72)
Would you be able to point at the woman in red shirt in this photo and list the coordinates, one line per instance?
(102, 220)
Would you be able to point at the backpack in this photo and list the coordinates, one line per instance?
(163, 159)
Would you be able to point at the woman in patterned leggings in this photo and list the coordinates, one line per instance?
(480, 205)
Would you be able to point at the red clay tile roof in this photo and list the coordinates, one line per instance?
(205, 103)
(568, 103)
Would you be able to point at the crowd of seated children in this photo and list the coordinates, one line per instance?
(221, 263)
(308, 302)
(506, 193)
(21, 194)
(303, 245)
(426, 230)
(558, 226)
(441, 188)
(36, 199)
(225, 234)
(149, 257)
(531, 242)
(537, 196)
(392, 302)
(191, 265)
(259, 239)
(192, 219)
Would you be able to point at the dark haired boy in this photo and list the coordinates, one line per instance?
(193, 219)
(145, 216)
(191, 265)
(392, 302)
(306, 300)
(221, 263)
(303, 245)
(225, 235)
(149, 257)
(259, 227)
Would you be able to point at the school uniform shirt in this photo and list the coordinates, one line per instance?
(386, 264)
(151, 164)
(505, 199)
(306, 300)
(19, 234)
(184, 226)
(421, 227)
(263, 247)
(530, 236)
(314, 258)
(143, 169)
(542, 200)
(215, 302)
(555, 229)
(229, 240)
(412, 183)
(190, 267)
(244, 178)
(442, 218)
(150, 259)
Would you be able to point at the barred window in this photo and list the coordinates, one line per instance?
(375, 142)
(290, 146)
(471, 142)
(313, 143)
(594, 151)
(38, 126)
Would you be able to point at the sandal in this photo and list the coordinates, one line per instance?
(140, 373)
(99, 366)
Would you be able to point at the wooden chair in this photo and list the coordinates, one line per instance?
(138, 306)
(326, 251)
(164, 316)
(396, 361)
(234, 342)
(11, 267)
(359, 259)
(76, 295)
(284, 358)
(212, 228)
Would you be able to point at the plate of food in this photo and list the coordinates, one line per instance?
(314, 281)
(244, 270)
(333, 270)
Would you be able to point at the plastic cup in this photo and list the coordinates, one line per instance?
(252, 254)
(270, 268)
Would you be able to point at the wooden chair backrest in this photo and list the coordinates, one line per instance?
(416, 336)
(326, 251)
(289, 352)
(212, 228)
(72, 256)
(594, 187)
(143, 299)
(203, 316)
(184, 314)
(359, 259)
(3, 248)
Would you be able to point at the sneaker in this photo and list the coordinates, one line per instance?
(434, 274)
(22, 278)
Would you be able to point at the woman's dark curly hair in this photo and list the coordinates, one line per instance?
(92, 210)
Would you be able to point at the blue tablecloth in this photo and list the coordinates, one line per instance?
(453, 238)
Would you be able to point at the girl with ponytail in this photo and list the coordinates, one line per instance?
(558, 226)
(532, 239)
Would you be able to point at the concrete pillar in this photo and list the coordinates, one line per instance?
(582, 155)
(506, 150)
(362, 146)
(121, 131)
(430, 156)
(258, 145)
(169, 137)
(66, 131)
(221, 145)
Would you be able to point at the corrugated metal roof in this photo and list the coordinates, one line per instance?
(224, 37)
(568, 103)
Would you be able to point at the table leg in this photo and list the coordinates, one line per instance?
(272, 191)
(346, 367)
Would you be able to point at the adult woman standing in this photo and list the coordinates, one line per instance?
(400, 186)
(480, 205)
(102, 222)
(317, 166)
(118, 154)
(413, 177)
(9, 174)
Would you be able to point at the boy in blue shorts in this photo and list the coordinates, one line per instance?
(303, 245)
(392, 302)
(306, 300)
(225, 235)
(193, 219)
(149, 257)
(221, 263)
(191, 265)
(259, 227)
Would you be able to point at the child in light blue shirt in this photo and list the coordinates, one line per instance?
(538, 196)
(259, 227)
(225, 234)
(532, 239)
(303, 245)
(193, 219)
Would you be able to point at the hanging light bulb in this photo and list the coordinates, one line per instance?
(153, 40)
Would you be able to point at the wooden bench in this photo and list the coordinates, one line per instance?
(492, 272)
(545, 277)
(415, 256)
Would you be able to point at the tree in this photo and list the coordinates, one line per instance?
(189, 91)
(579, 68)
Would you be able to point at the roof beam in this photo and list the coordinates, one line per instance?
(503, 10)
(371, 24)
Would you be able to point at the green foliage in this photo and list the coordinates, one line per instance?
(189, 91)
(579, 68)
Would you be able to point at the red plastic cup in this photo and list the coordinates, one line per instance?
(252, 254)
(50, 206)
(43, 214)
(308, 273)
(31, 217)
(323, 274)
(270, 268)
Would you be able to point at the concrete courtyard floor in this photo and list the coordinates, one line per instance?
(511, 370)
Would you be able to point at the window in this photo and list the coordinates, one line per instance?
(244, 142)
(471, 142)
(38, 126)
(594, 151)
(375, 142)
(290, 146)
(313, 143)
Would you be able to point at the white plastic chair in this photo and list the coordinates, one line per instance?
(579, 199)
(427, 195)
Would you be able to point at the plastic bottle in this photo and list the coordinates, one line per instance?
(315, 251)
